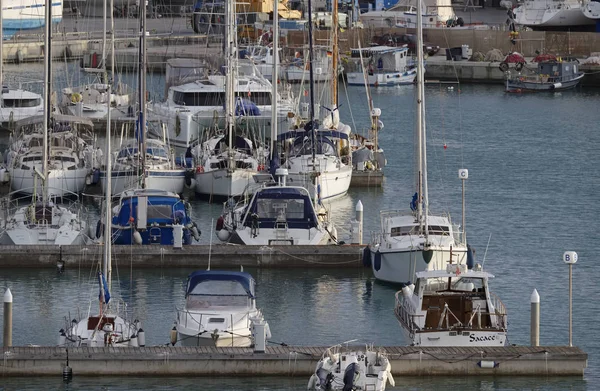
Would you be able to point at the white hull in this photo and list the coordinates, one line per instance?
(332, 184)
(220, 183)
(400, 266)
(466, 339)
(59, 183)
(541, 13)
(591, 9)
(382, 79)
(168, 180)
(273, 236)
(224, 340)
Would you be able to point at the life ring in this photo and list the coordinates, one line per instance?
(503, 66)
(199, 169)
(518, 66)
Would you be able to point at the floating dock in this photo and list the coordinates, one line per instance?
(289, 361)
(193, 256)
(367, 178)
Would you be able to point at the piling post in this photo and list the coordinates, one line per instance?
(357, 226)
(7, 336)
(570, 257)
(535, 318)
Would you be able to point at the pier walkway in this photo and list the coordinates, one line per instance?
(288, 361)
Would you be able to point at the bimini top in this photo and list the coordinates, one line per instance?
(292, 204)
(244, 280)
(161, 209)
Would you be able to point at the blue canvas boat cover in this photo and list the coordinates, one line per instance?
(200, 276)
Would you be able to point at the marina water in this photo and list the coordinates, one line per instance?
(532, 194)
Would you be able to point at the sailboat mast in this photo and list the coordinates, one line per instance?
(112, 46)
(311, 81)
(423, 116)
(230, 98)
(142, 87)
(275, 77)
(104, 32)
(106, 265)
(420, 133)
(48, 94)
(334, 54)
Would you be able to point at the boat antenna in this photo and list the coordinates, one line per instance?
(212, 223)
(486, 248)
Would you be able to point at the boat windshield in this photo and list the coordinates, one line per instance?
(289, 205)
(218, 293)
(305, 147)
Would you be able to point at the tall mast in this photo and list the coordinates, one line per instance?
(334, 54)
(48, 93)
(311, 81)
(106, 265)
(104, 28)
(275, 77)
(229, 79)
(423, 198)
(142, 87)
(112, 47)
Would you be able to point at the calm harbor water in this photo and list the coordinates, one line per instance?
(531, 194)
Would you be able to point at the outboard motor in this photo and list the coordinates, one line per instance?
(349, 373)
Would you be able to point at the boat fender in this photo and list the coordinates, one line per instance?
(312, 382)
(68, 52)
(377, 263)
(199, 169)
(555, 86)
(366, 257)
(223, 235)
(470, 257)
(173, 336)
(99, 229)
(141, 336)
(137, 237)
(220, 223)
(195, 232)
(62, 338)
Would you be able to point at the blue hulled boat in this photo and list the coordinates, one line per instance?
(147, 216)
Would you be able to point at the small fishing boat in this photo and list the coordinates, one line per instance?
(345, 369)
(385, 66)
(220, 310)
(146, 216)
(452, 307)
(553, 74)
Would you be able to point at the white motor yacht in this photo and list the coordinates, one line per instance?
(452, 307)
(220, 310)
(18, 104)
(193, 108)
(561, 14)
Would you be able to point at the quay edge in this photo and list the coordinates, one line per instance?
(194, 256)
(288, 361)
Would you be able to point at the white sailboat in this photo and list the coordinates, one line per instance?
(553, 14)
(43, 220)
(414, 241)
(110, 326)
(143, 163)
(312, 154)
(227, 161)
(95, 100)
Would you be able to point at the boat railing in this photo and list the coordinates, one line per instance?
(499, 311)
(405, 318)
